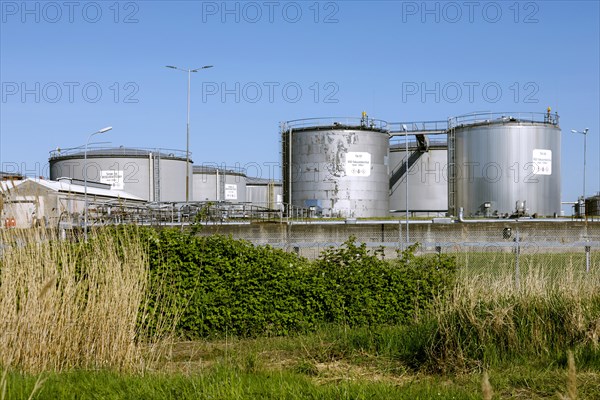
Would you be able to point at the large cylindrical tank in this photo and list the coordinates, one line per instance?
(337, 167)
(219, 184)
(506, 164)
(152, 174)
(592, 206)
(427, 178)
(264, 193)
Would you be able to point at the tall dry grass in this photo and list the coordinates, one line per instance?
(73, 305)
(488, 319)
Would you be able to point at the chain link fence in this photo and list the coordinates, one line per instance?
(478, 247)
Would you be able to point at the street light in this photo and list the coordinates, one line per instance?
(187, 145)
(584, 133)
(85, 208)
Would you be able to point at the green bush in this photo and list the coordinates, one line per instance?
(231, 287)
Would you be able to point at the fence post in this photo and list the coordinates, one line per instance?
(517, 252)
(588, 250)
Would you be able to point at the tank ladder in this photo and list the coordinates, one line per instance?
(156, 182)
(451, 169)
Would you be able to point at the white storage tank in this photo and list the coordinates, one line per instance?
(505, 164)
(151, 174)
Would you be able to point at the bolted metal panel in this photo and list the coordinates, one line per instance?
(219, 184)
(130, 169)
(340, 170)
(427, 179)
(507, 165)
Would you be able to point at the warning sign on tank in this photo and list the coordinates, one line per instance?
(542, 162)
(113, 178)
(230, 192)
(358, 163)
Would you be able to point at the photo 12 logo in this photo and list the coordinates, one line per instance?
(253, 12)
(69, 92)
(53, 12)
(269, 92)
(471, 92)
(453, 12)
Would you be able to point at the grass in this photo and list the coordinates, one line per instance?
(73, 305)
(72, 328)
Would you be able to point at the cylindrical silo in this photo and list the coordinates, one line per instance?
(505, 164)
(219, 184)
(427, 182)
(337, 167)
(152, 174)
(264, 193)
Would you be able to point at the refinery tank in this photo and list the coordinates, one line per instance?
(264, 193)
(214, 183)
(427, 181)
(504, 164)
(152, 174)
(336, 167)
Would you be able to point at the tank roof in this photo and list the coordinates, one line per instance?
(489, 118)
(212, 170)
(334, 123)
(121, 151)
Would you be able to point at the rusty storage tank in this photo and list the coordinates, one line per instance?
(152, 174)
(504, 164)
(592, 206)
(427, 176)
(214, 183)
(336, 167)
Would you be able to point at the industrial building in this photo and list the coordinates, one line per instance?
(479, 165)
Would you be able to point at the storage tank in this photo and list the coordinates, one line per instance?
(213, 183)
(505, 164)
(592, 206)
(265, 193)
(427, 177)
(337, 167)
(152, 174)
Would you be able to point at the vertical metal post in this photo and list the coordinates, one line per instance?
(517, 252)
(588, 250)
(406, 185)
(187, 144)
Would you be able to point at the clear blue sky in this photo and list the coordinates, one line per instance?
(345, 56)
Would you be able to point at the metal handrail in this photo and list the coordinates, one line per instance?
(336, 121)
(418, 126)
(121, 150)
(487, 117)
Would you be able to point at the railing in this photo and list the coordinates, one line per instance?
(117, 151)
(350, 122)
(418, 126)
(487, 117)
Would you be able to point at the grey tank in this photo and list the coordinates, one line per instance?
(265, 193)
(427, 179)
(152, 174)
(339, 168)
(219, 184)
(506, 163)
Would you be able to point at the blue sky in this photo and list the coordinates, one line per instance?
(68, 69)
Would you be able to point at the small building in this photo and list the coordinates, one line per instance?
(39, 202)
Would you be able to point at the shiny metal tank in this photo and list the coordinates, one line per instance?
(219, 184)
(427, 179)
(338, 167)
(506, 163)
(152, 174)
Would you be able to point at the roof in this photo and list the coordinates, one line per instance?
(67, 187)
(262, 181)
(121, 151)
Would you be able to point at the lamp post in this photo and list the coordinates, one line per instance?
(584, 133)
(85, 207)
(187, 145)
